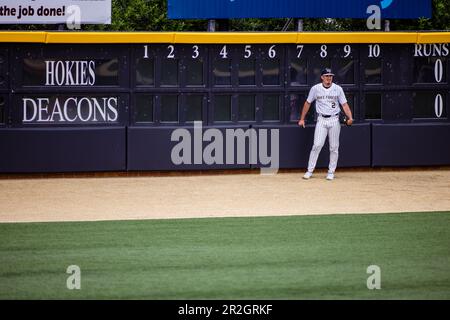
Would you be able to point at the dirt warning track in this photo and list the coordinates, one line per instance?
(222, 195)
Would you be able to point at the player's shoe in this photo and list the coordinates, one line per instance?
(330, 176)
(307, 175)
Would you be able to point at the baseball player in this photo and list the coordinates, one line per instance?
(328, 97)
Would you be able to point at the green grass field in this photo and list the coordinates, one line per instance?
(299, 257)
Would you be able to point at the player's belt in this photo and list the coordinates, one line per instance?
(329, 115)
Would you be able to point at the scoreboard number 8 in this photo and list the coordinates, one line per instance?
(323, 51)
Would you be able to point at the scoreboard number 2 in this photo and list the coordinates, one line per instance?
(171, 50)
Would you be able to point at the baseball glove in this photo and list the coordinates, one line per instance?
(344, 120)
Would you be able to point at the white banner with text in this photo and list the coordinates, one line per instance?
(55, 12)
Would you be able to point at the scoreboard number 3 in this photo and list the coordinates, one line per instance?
(196, 53)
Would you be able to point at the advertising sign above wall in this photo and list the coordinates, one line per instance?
(227, 9)
(55, 12)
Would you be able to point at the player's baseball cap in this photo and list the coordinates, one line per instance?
(327, 72)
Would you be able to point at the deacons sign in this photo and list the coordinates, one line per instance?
(71, 108)
(55, 12)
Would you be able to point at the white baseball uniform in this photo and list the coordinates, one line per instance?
(327, 108)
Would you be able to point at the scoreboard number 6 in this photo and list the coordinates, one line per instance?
(272, 52)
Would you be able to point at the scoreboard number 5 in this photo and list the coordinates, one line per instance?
(248, 52)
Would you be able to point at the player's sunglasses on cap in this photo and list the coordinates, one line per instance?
(327, 72)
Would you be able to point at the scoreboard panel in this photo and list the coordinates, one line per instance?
(151, 84)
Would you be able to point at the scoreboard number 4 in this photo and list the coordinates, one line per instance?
(224, 52)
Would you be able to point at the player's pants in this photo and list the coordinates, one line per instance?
(331, 127)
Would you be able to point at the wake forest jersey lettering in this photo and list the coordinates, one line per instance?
(327, 99)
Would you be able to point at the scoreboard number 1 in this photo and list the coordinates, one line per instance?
(145, 51)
